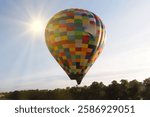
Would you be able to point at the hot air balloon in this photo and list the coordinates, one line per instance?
(75, 38)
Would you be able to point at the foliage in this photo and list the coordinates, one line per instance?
(124, 90)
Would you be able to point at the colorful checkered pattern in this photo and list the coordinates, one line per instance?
(75, 38)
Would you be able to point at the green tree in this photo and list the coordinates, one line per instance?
(146, 91)
(135, 89)
(124, 86)
(113, 91)
(96, 91)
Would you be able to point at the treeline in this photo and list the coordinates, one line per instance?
(124, 90)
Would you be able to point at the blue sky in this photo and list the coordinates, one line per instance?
(25, 62)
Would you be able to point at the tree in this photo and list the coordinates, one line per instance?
(146, 91)
(113, 91)
(135, 89)
(124, 86)
(96, 91)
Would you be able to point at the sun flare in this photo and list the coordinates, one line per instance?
(36, 26)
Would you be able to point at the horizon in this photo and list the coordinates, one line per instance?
(77, 86)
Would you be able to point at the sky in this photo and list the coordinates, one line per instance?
(25, 62)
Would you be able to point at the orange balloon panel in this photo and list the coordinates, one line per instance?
(75, 38)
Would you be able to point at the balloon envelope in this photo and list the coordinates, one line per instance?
(75, 38)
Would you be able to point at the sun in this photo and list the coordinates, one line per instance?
(35, 26)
